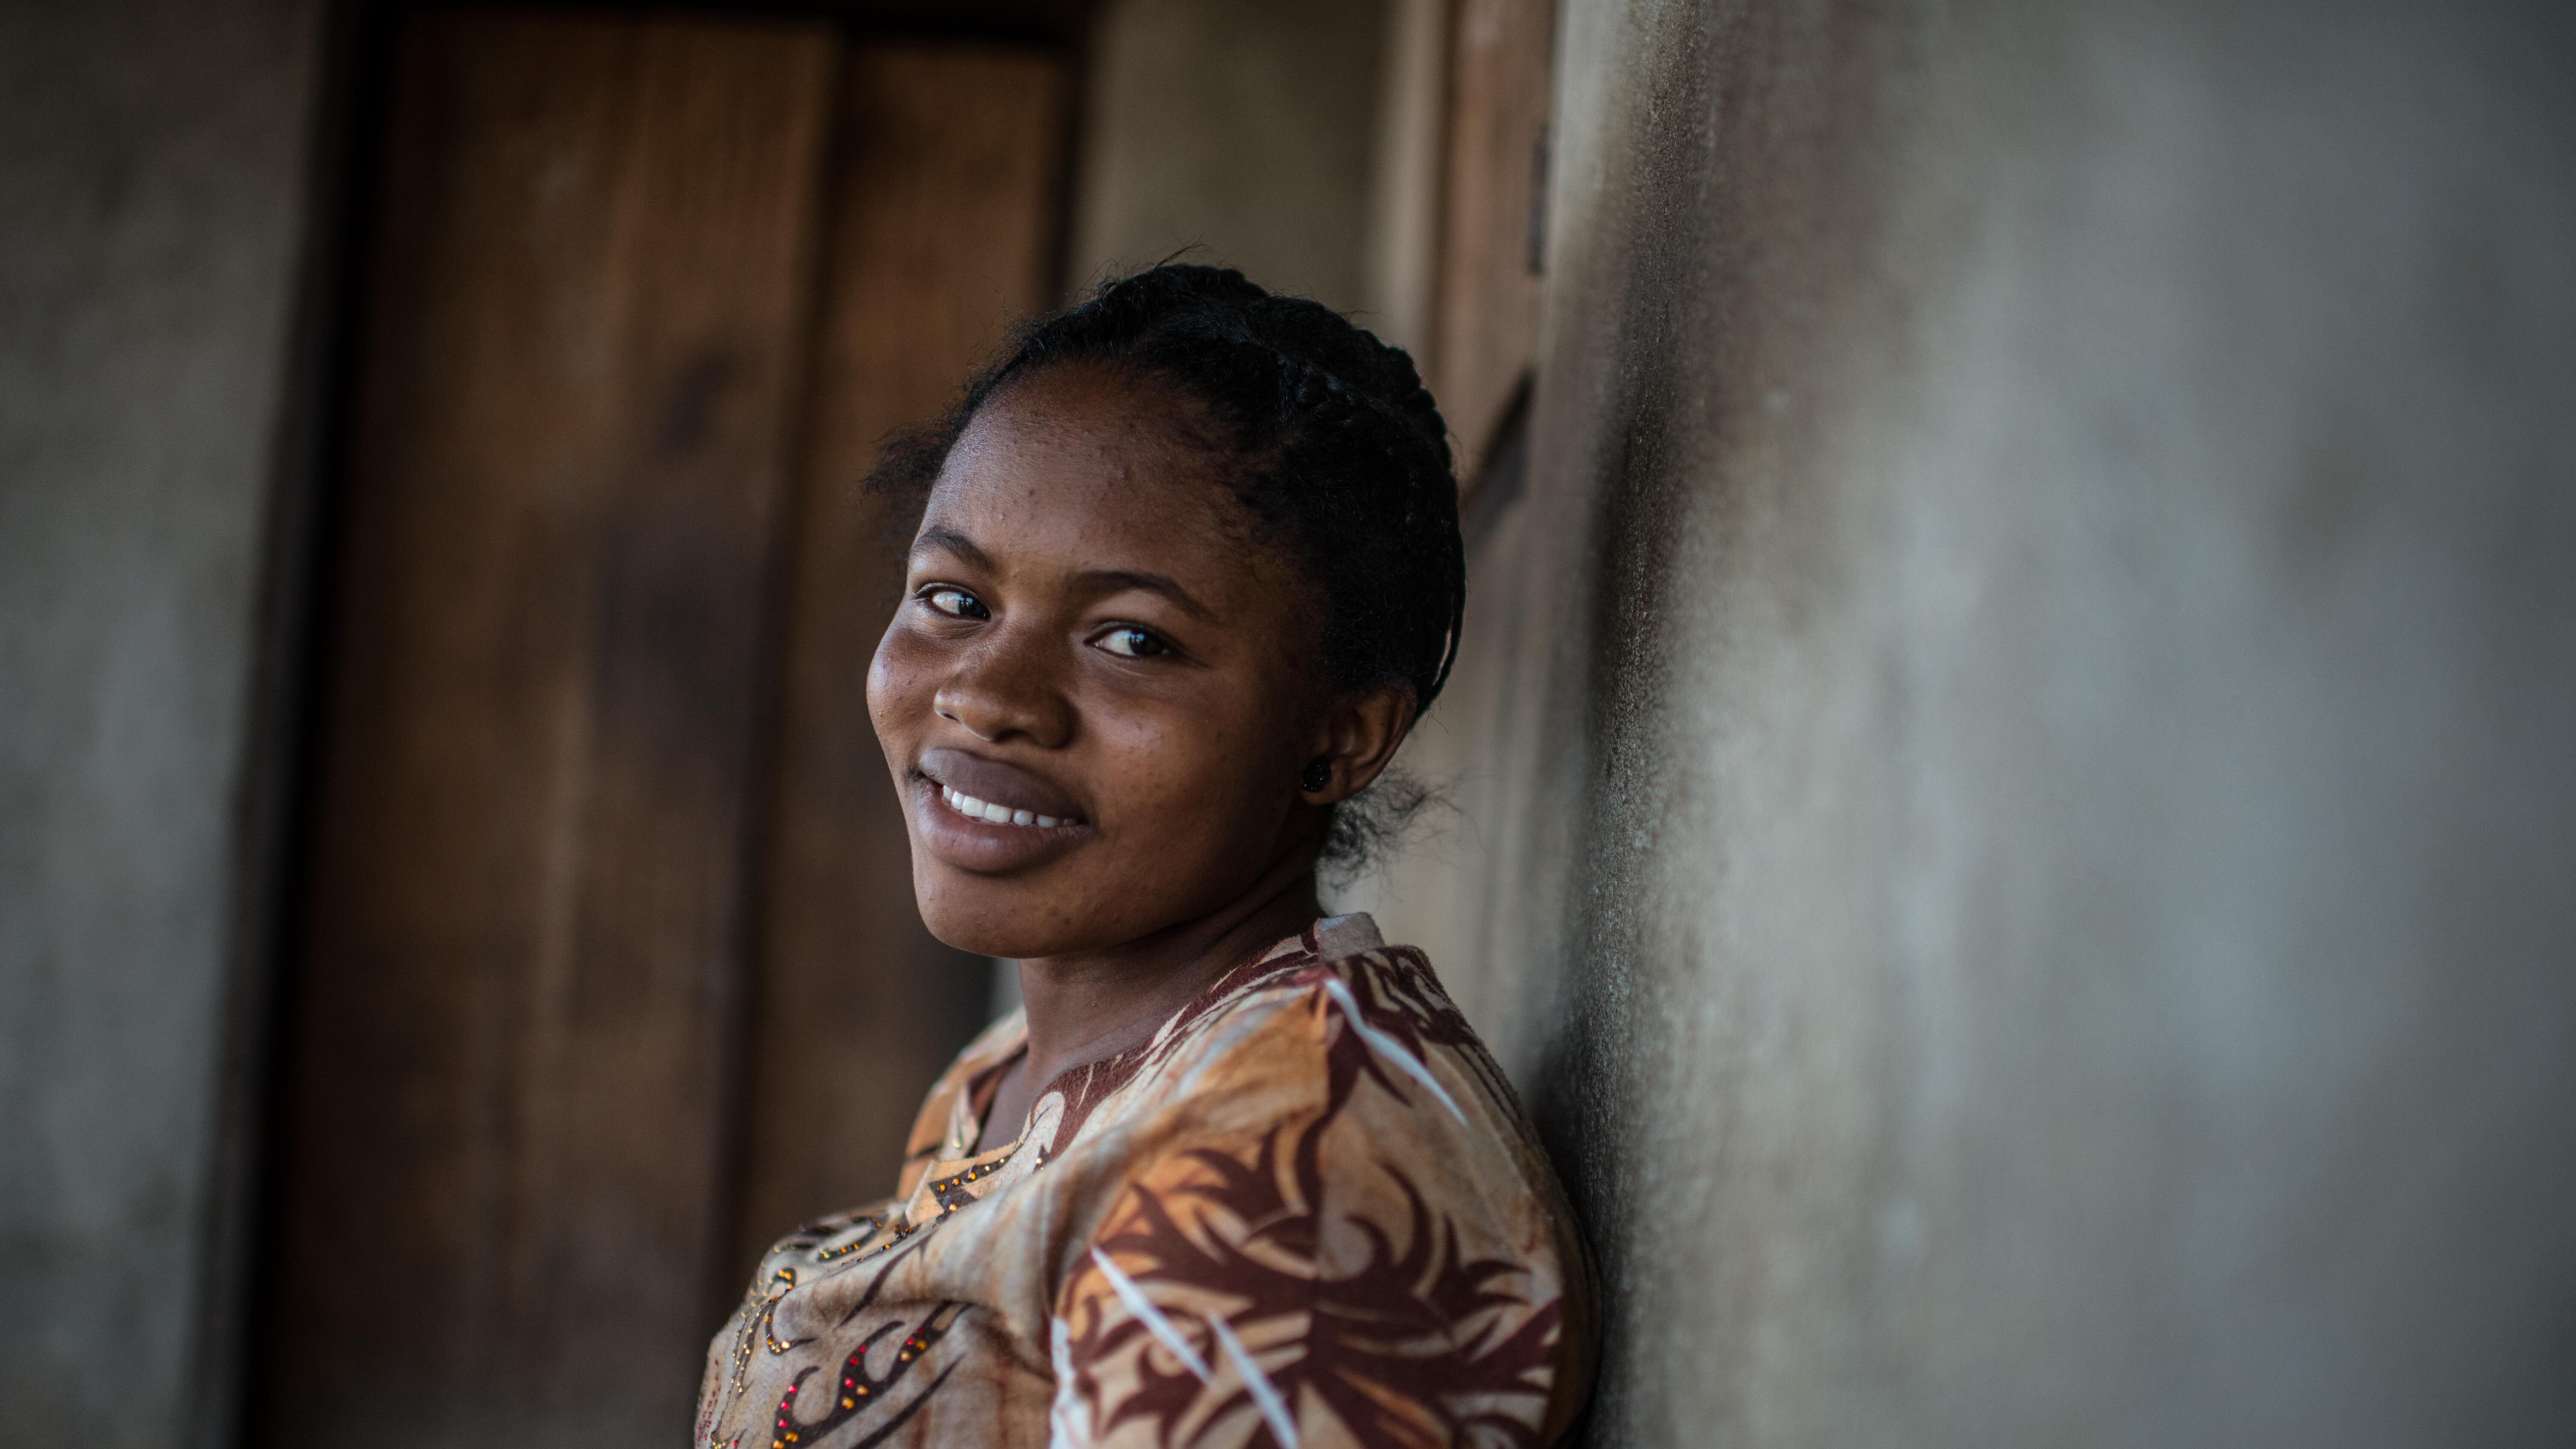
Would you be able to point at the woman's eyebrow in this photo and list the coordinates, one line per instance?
(1112, 581)
(950, 541)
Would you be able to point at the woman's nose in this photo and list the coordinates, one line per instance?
(1004, 689)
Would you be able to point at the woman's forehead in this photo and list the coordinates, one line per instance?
(1073, 466)
(1076, 438)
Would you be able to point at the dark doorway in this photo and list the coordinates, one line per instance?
(608, 969)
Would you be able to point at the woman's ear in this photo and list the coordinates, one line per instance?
(1353, 743)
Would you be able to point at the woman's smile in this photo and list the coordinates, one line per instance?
(988, 816)
(982, 837)
(997, 814)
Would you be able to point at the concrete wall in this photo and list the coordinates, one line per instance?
(152, 182)
(1246, 129)
(2017, 787)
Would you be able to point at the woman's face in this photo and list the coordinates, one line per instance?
(1096, 697)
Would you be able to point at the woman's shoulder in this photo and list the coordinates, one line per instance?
(1341, 973)
(1330, 1022)
(1340, 962)
(1325, 1136)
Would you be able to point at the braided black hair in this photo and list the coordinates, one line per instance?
(1342, 460)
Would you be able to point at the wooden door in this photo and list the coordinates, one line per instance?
(944, 215)
(1492, 232)
(599, 491)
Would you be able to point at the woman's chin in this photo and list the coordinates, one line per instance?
(979, 922)
(1033, 915)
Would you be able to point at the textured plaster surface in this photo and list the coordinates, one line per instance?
(2016, 831)
(1241, 130)
(152, 167)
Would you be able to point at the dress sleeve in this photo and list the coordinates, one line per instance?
(1341, 1250)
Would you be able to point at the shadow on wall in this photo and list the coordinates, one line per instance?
(2016, 819)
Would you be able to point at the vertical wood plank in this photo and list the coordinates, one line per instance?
(522, 961)
(944, 227)
(1487, 327)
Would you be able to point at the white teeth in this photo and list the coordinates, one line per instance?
(974, 809)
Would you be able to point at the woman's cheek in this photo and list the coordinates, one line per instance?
(1185, 759)
(895, 678)
(1192, 772)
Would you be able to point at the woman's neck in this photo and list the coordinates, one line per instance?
(1085, 1007)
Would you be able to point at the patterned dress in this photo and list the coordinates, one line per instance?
(1307, 1213)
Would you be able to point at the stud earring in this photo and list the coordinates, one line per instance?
(1319, 773)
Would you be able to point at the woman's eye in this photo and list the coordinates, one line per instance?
(1129, 642)
(955, 603)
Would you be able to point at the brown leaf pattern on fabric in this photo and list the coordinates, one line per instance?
(1412, 1346)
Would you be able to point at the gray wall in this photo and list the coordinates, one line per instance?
(1246, 129)
(152, 181)
(2018, 826)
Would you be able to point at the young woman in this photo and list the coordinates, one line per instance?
(1187, 570)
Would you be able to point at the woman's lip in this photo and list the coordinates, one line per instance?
(981, 845)
(990, 782)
